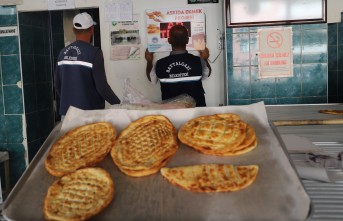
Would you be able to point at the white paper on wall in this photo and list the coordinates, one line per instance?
(11, 2)
(118, 10)
(61, 4)
(275, 55)
(125, 39)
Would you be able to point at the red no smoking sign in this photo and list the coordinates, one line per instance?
(274, 40)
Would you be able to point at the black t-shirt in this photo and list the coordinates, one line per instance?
(181, 74)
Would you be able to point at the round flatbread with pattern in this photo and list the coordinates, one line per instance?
(145, 145)
(80, 147)
(79, 195)
(219, 134)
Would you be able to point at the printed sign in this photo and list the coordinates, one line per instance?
(125, 39)
(118, 11)
(160, 21)
(8, 31)
(61, 4)
(275, 57)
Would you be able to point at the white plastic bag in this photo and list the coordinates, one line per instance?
(135, 100)
(132, 95)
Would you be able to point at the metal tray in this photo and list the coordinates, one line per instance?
(276, 194)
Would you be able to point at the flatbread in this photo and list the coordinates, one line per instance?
(211, 177)
(145, 145)
(79, 195)
(81, 147)
(219, 134)
(336, 112)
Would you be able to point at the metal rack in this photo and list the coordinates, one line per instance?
(326, 198)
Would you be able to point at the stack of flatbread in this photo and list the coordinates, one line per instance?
(79, 195)
(145, 145)
(211, 177)
(81, 147)
(218, 134)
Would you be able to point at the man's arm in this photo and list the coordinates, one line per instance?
(205, 54)
(149, 56)
(100, 79)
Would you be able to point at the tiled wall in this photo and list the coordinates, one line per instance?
(309, 84)
(26, 92)
(335, 64)
(35, 42)
(12, 135)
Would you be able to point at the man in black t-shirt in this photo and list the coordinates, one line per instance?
(180, 72)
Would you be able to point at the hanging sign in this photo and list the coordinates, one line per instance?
(8, 31)
(275, 57)
(61, 4)
(160, 21)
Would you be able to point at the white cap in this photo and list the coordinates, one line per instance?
(83, 21)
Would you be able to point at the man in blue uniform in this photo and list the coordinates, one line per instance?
(180, 72)
(80, 78)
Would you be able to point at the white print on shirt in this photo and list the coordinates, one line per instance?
(178, 63)
(70, 58)
(179, 75)
(73, 48)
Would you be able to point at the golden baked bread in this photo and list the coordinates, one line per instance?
(79, 195)
(145, 145)
(80, 147)
(153, 29)
(211, 177)
(336, 112)
(218, 134)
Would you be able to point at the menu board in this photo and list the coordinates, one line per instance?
(160, 21)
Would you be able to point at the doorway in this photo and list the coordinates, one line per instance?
(42, 34)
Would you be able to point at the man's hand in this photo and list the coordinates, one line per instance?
(204, 54)
(149, 56)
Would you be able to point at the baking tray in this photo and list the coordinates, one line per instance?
(276, 194)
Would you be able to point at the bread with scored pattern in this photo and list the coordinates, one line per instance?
(218, 134)
(145, 145)
(79, 195)
(80, 147)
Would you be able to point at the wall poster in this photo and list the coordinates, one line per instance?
(160, 21)
(125, 39)
(275, 57)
